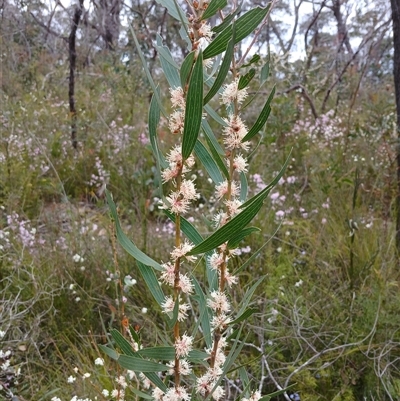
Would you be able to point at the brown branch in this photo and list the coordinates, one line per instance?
(47, 28)
(305, 95)
(354, 56)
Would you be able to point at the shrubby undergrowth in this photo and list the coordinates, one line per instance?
(325, 313)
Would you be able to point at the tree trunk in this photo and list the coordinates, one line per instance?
(396, 72)
(72, 66)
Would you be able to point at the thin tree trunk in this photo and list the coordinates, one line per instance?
(72, 67)
(396, 72)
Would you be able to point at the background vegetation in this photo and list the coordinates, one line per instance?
(328, 313)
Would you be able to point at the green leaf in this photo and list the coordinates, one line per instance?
(250, 210)
(210, 111)
(175, 313)
(186, 68)
(213, 7)
(125, 242)
(228, 230)
(205, 317)
(146, 70)
(109, 351)
(208, 162)
(256, 253)
(153, 377)
(187, 228)
(264, 73)
(256, 58)
(141, 394)
(217, 158)
(122, 342)
(262, 118)
(140, 365)
(246, 79)
(264, 193)
(169, 66)
(227, 20)
(154, 119)
(276, 393)
(249, 294)
(151, 281)
(168, 353)
(222, 73)
(245, 315)
(173, 9)
(245, 24)
(243, 187)
(211, 137)
(239, 236)
(194, 108)
(161, 353)
(134, 334)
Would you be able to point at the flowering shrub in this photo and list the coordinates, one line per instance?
(187, 371)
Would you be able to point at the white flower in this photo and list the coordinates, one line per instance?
(157, 394)
(219, 302)
(240, 164)
(2, 334)
(183, 345)
(182, 250)
(71, 379)
(231, 92)
(105, 392)
(221, 189)
(144, 310)
(177, 98)
(178, 393)
(77, 258)
(234, 132)
(99, 361)
(86, 375)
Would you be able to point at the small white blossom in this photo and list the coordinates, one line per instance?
(99, 361)
(71, 379)
(232, 92)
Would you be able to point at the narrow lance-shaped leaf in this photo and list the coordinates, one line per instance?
(154, 119)
(245, 315)
(173, 9)
(227, 20)
(109, 351)
(268, 397)
(246, 79)
(208, 162)
(122, 343)
(140, 365)
(125, 242)
(245, 24)
(217, 158)
(263, 194)
(146, 70)
(239, 236)
(262, 118)
(253, 60)
(250, 210)
(223, 71)
(194, 108)
(264, 73)
(186, 68)
(151, 281)
(228, 230)
(213, 7)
